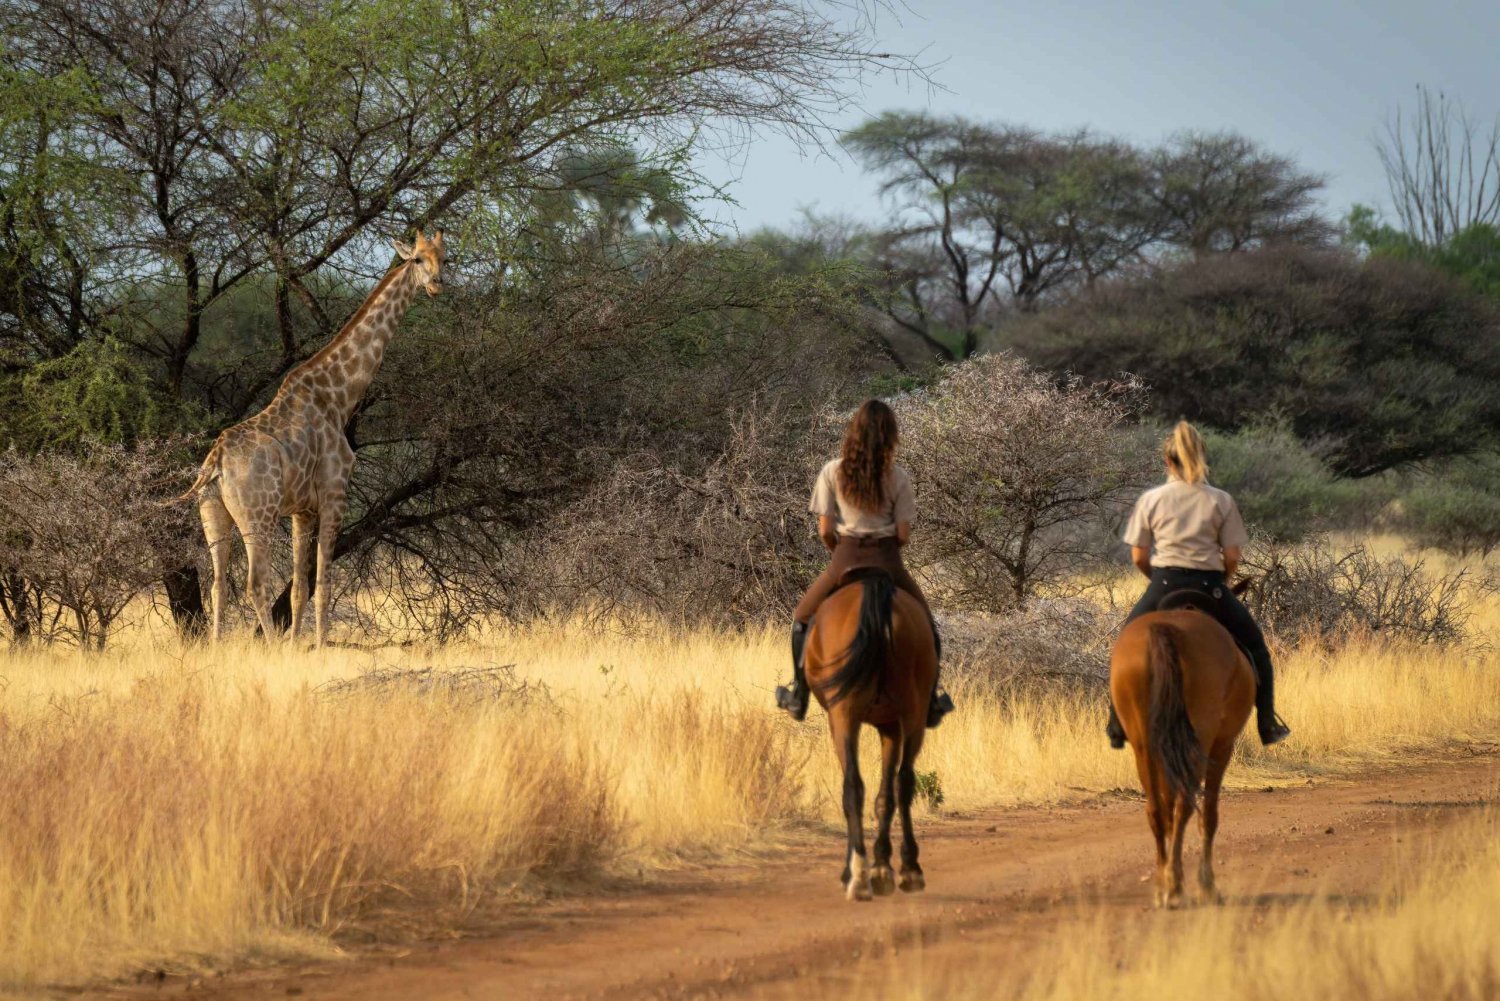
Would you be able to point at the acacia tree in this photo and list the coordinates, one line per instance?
(173, 155)
(995, 218)
(1222, 192)
(989, 218)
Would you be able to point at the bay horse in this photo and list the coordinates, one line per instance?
(1183, 690)
(871, 658)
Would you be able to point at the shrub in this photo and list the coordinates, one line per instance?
(1284, 491)
(1012, 468)
(1047, 641)
(1315, 592)
(1458, 511)
(82, 535)
(730, 543)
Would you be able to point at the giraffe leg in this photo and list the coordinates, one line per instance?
(330, 517)
(258, 578)
(302, 537)
(218, 529)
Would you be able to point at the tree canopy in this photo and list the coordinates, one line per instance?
(987, 220)
(207, 187)
(1375, 363)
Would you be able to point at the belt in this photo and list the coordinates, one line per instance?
(1186, 570)
(867, 540)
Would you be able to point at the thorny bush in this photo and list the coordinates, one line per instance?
(1316, 592)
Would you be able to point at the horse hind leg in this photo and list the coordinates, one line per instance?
(1182, 813)
(882, 880)
(857, 869)
(912, 878)
(1208, 819)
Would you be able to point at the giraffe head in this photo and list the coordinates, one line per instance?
(427, 257)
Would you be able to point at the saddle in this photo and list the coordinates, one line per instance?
(856, 574)
(1187, 597)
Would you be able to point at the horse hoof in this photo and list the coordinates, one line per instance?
(1209, 895)
(858, 891)
(913, 882)
(882, 882)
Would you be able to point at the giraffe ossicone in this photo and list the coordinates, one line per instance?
(293, 460)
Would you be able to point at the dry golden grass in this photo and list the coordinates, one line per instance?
(1432, 932)
(199, 806)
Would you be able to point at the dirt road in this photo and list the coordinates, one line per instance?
(1002, 879)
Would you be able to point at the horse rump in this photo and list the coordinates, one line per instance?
(1174, 742)
(865, 657)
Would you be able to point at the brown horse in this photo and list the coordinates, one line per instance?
(871, 659)
(1183, 690)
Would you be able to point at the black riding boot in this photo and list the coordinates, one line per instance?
(1115, 731)
(1272, 730)
(793, 698)
(942, 703)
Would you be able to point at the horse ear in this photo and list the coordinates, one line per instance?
(405, 250)
(1240, 586)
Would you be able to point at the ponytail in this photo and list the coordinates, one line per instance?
(1185, 453)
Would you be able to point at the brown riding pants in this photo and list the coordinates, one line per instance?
(855, 554)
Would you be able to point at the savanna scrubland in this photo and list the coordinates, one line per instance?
(577, 520)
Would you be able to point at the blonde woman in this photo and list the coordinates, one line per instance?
(1188, 535)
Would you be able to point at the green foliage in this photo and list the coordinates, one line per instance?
(1376, 363)
(930, 788)
(1456, 509)
(1471, 255)
(1284, 491)
(97, 393)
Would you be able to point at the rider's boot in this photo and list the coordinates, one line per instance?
(1115, 731)
(1272, 729)
(942, 703)
(793, 697)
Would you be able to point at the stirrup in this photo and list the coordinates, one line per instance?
(1276, 732)
(795, 703)
(940, 706)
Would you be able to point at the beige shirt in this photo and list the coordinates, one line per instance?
(900, 504)
(1186, 525)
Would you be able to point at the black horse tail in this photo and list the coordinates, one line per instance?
(864, 659)
(1174, 743)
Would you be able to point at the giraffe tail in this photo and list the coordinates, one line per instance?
(206, 475)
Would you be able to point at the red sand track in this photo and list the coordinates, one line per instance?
(999, 880)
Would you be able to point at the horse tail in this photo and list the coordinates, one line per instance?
(207, 473)
(865, 657)
(1174, 743)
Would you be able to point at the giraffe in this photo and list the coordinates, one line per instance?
(293, 458)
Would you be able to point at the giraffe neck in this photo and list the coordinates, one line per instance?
(346, 367)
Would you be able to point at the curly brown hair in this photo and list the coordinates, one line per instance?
(869, 445)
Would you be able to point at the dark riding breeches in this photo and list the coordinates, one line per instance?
(1231, 611)
(855, 554)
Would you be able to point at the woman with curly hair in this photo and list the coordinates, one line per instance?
(865, 506)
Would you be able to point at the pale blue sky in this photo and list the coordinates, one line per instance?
(1313, 79)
